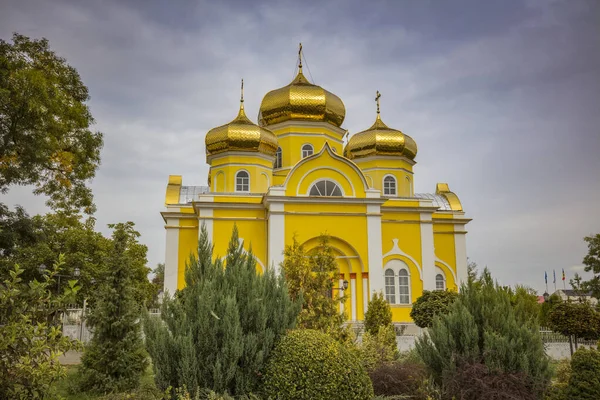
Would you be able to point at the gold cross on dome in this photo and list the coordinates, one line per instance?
(377, 100)
(300, 57)
(242, 91)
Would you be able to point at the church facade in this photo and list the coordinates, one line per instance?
(294, 174)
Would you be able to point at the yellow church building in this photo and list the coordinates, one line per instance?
(293, 174)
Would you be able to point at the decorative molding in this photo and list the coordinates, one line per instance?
(445, 264)
(396, 251)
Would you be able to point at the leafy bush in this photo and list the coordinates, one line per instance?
(309, 364)
(584, 382)
(482, 327)
(431, 304)
(478, 382)
(378, 314)
(380, 348)
(218, 332)
(577, 319)
(30, 336)
(399, 378)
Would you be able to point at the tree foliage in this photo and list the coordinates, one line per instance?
(310, 277)
(482, 327)
(576, 319)
(584, 381)
(311, 365)
(30, 335)
(45, 136)
(34, 241)
(220, 329)
(546, 308)
(378, 314)
(430, 304)
(115, 358)
(379, 348)
(592, 264)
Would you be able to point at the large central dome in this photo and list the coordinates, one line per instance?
(301, 100)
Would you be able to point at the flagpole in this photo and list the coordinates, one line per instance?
(554, 272)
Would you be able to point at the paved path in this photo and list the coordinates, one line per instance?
(70, 358)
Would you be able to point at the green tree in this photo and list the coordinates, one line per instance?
(430, 304)
(584, 382)
(219, 330)
(30, 335)
(592, 264)
(158, 283)
(579, 320)
(45, 136)
(482, 327)
(115, 358)
(310, 277)
(378, 314)
(311, 365)
(525, 302)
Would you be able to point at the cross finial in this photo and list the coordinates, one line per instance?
(377, 101)
(300, 57)
(242, 93)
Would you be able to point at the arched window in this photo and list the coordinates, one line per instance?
(440, 282)
(390, 286)
(307, 150)
(277, 163)
(389, 186)
(325, 188)
(242, 181)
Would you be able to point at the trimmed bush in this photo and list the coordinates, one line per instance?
(308, 364)
(584, 382)
(431, 304)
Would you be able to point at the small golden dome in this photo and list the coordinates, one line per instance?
(301, 100)
(380, 139)
(241, 134)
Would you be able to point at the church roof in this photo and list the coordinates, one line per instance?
(438, 200)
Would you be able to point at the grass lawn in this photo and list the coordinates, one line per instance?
(147, 381)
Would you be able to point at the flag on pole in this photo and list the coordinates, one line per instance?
(546, 277)
(564, 275)
(554, 275)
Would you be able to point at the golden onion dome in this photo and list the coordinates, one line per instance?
(241, 134)
(380, 139)
(301, 100)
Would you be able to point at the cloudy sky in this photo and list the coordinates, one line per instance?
(502, 97)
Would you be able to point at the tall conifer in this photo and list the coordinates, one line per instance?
(219, 330)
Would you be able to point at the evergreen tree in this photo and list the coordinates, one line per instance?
(219, 330)
(483, 327)
(310, 277)
(115, 358)
(378, 314)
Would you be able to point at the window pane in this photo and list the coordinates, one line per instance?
(439, 282)
(325, 188)
(390, 286)
(389, 186)
(404, 287)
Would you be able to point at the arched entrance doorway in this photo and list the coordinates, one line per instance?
(350, 269)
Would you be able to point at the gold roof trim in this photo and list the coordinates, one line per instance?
(301, 100)
(241, 134)
(444, 190)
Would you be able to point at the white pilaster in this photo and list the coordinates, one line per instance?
(427, 252)
(460, 249)
(353, 297)
(171, 256)
(206, 217)
(374, 248)
(276, 235)
(341, 294)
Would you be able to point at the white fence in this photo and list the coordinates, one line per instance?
(557, 345)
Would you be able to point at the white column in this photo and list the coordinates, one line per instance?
(171, 256)
(341, 294)
(365, 295)
(276, 235)
(427, 252)
(374, 248)
(353, 296)
(206, 217)
(460, 249)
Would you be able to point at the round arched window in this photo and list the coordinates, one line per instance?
(325, 188)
